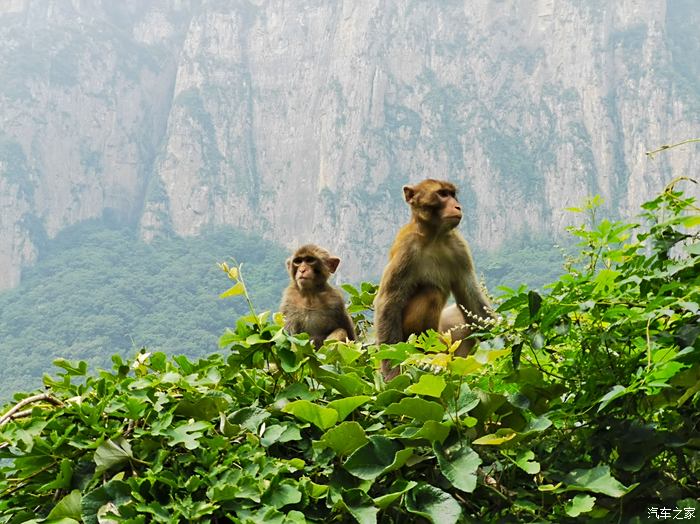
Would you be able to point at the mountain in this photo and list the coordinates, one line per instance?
(300, 121)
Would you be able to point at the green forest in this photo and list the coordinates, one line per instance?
(580, 403)
(99, 290)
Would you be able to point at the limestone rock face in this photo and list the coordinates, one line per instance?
(302, 120)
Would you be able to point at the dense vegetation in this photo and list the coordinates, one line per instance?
(98, 290)
(580, 404)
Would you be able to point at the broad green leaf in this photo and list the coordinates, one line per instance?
(465, 402)
(496, 439)
(605, 281)
(597, 480)
(464, 366)
(379, 455)
(432, 431)
(349, 353)
(187, 434)
(249, 417)
(524, 461)
(360, 506)
(111, 454)
(615, 392)
(284, 493)
(417, 408)
(488, 356)
(204, 407)
(433, 503)
(579, 504)
(536, 425)
(428, 385)
(345, 438)
(458, 464)
(291, 361)
(397, 489)
(322, 418)
(68, 507)
(345, 406)
(116, 492)
(63, 478)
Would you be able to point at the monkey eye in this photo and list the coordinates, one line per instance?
(444, 193)
(300, 260)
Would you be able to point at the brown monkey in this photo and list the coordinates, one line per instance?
(428, 260)
(309, 304)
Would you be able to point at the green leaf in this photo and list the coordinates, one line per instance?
(345, 438)
(524, 461)
(205, 407)
(345, 406)
(397, 489)
(68, 507)
(597, 480)
(432, 431)
(187, 434)
(360, 506)
(63, 478)
(116, 492)
(284, 493)
(378, 456)
(615, 392)
(428, 385)
(349, 353)
(322, 418)
(249, 417)
(459, 465)
(464, 366)
(76, 368)
(579, 504)
(434, 504)
(111, 454)
(534, 301)
(417, 408)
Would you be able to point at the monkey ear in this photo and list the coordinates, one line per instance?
(288, 263)
(408, 193)
(332, 263)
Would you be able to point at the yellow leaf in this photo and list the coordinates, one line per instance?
(495, 439)
(238, 289)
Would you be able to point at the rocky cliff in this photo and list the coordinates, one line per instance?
(302, 120)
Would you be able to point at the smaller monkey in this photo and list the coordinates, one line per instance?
(309, 304)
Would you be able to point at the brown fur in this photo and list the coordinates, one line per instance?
(309, 304)
(428, 261)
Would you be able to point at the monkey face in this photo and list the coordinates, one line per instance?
(305, 271)
(311, 266)
(451, 210)
(434, 203)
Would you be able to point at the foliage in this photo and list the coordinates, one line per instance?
(579, 404)
(98, 291)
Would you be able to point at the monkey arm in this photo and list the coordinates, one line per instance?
(468, 295)
(346, 323)
(393, 295)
